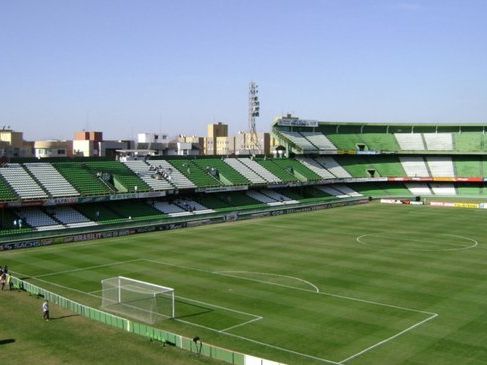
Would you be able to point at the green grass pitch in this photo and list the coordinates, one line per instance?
(369, 284)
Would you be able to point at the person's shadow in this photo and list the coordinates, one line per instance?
(7, 341)
(62, 317)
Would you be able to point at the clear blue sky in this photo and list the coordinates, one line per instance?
(124, 67)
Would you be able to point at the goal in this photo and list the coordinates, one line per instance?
(137, 299)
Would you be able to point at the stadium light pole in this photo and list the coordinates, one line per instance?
(254, 112)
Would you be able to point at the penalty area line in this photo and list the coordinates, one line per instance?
(265, 344)
(241, 324)
(388, 339)
(85, 268)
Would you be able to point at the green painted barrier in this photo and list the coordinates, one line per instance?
(156, 334)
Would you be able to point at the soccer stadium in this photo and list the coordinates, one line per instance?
(356, 243)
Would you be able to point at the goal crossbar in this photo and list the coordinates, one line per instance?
(162, 289)
(138, 298)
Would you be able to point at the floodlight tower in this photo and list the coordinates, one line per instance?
(254, 112)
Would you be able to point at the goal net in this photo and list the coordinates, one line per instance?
(137, 299)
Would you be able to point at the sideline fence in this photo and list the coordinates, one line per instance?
(152, 333)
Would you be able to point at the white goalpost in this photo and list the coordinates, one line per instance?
(137, 299)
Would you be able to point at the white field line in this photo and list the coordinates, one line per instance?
(220, 307)
(270, 274)
(461, 248)
(388, 339)
(222, 331)
(241, 324)
(86, 268)
(330, 294)
(431, 315)
(59, 285)
(256, 317)
(265, 344)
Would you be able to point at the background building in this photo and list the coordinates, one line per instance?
(12, 144)
(210, 142)
(53, 148)
(91, 144)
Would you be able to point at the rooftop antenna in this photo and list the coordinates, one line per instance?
(254, 112)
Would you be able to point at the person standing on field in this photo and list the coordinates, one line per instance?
(45, 310)
(3, 280)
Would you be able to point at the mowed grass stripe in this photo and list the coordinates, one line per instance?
(319, 247)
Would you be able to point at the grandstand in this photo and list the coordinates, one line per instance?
(83, 179)
(147, 176)
(323, 162)
(224, 172)
(52, 181)
(323, 166)
(173, 176)
(22, 182)
(260, 170)
(333, 167)
(202, 178)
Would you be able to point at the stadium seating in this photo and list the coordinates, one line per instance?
(135, 210)
(193, 206)
(438, 141)
(52, 181)
(38, 219)
(260, 197)
(97, 212)
(71, 217)
(378, 189)
(300, 141)
(245, 171)
(444, 189)
(469, 190)
(358, 166)
(468, 166)
(371, 166)
(259, 170)
(6, 192)
(333, 167)
(22, 183)
(260, 182)
(79, 176)
(330, 189)
(387, 165)
(155, 181)
(410, 141)
(440, 166)
(170, 209)
(227, 174)
(315, 167)
(7, 225)
(469, 141)
(212, 201)
(414, 166)
(122, 177)
(283, 173)
(319, 140)
(173, 175)
(240, 200)
(298, 169)
(419, 189)
(378, 141)
(306, 194)
(345, 137)
(346, 190)
(278, 197)
(356, 137)
(194, 173)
